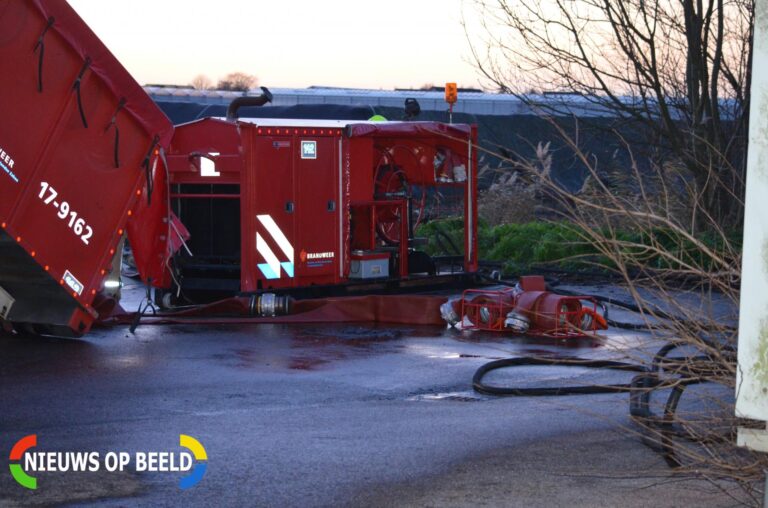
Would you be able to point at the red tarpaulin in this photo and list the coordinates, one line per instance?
(395, 309)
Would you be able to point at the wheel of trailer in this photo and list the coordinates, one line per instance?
(165, 298)
(391, 182)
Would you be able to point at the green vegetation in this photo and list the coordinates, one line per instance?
(521, 248)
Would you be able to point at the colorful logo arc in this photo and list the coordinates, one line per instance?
(198, 471)
(21, 446)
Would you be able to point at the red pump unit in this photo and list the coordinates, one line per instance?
(296, 204)
(527, 309)
(222, 205)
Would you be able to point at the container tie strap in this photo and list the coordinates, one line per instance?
(113, 123)
(164, 160)
(41, 46)
(76, 88)
(147, 170)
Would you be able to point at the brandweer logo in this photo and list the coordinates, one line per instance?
(25, 461)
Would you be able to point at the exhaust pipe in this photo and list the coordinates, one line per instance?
(257, 100)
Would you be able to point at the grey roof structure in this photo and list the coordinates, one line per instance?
(473, 103)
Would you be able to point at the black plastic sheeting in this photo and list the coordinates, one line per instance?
(183, 112)
(513, 136)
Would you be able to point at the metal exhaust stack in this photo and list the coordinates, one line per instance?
(257, 100)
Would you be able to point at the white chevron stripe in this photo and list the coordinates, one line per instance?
(269, 256)
(269, 223)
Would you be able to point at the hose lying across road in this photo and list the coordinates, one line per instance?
(663, 430)
(479, 386)
(664, 372)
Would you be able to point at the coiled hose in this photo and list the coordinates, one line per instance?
(689, 370)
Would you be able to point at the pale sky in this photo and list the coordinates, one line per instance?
(289, 43)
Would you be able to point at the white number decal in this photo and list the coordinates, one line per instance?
(46, 187)
(88, 235)
(79, 227)
(75, 223)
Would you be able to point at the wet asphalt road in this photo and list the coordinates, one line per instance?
(289, 415)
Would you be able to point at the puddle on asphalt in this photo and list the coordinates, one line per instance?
(306, 363)
(352, 335)
(319, 347)
(314, 348)
(466, 396)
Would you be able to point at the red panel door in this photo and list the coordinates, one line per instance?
(272, 213)
(317, 209)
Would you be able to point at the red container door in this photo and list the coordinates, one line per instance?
(269, 237)
(317, 210)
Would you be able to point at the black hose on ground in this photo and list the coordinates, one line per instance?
(605, 300)
(688, 371)
(656, 312)
(481, 387)
(618, 303)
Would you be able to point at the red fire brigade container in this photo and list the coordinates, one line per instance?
(75, 131)
(276, 204)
